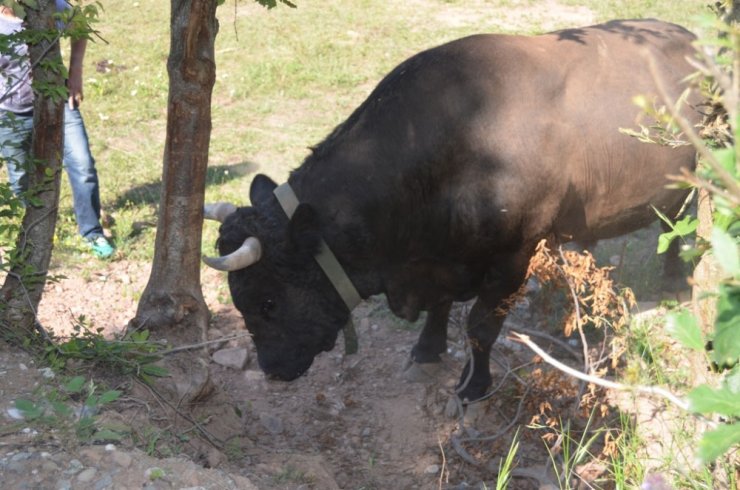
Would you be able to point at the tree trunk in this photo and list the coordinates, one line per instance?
(707, 273)
(22, 290)
(173, 296)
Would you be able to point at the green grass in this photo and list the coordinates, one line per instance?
(285, 78)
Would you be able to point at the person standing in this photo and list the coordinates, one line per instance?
(16, 126)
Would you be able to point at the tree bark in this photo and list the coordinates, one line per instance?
(22, 289)
(707, 273)
(173, 296)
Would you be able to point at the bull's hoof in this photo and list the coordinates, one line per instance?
(415, 372)
(456, 408)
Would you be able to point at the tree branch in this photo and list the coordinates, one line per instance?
(648, 390)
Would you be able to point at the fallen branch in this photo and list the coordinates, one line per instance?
(212, 439)
(202, 344)
(648, 390)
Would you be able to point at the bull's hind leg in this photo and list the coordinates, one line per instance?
(425, 362)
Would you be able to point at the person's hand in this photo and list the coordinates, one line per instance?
(74, 87)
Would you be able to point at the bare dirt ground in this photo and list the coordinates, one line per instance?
(352, 422)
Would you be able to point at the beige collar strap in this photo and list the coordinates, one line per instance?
(330, 265)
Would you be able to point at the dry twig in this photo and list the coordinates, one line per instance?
(648, 390)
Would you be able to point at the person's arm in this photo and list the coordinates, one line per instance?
(74, 82)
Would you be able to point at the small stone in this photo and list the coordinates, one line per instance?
(110, 447)
(273, 424)
(91, 454)
(23, 367)
(253, 376)
(75, 466)
(432, 469)
(47, 373)
(235, 358)
(104, 482)
(122, 459)
(86, 475)
(14, 414)
(50, 466)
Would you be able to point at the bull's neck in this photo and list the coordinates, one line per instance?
(352, 278)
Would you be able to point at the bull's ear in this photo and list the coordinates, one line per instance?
(261, 189)
(304, 230)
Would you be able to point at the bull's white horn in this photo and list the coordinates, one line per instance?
(246, 255)
(218, 210)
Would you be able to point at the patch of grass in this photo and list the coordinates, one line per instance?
(650, 358)
(682, 12)
(292, 475)
(70, 411)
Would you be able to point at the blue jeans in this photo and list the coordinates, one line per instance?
(15, 143)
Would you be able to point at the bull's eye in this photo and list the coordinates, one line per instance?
(267, 307)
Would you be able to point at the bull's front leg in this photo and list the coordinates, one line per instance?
(433, 338)
(485, 321)
(425, 363)
(484, 325)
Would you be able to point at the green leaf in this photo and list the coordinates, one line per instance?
(680, 229)
(62, 409)
(732, 380)
(704, 399)
(107, 435)
(726, 252)
(726, 341)
(683, 327)
(75, 384)
(109, 396)
(30, 410)
(154, 370)
(726, 158)
(716, 442)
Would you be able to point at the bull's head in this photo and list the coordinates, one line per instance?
(288, 305)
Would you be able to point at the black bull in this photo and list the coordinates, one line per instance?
(439, 186)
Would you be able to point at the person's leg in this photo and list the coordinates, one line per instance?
(15, 145)
(83, 177)
(80, 166)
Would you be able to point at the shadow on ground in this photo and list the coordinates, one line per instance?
(149, 193)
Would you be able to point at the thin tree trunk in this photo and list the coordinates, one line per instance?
(707, 273)
(173, 297)
(22, 290)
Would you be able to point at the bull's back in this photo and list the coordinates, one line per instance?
(551, 132)
(503, 137)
